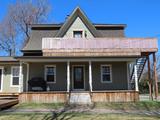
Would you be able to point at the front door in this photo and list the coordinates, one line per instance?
(0, 79)
(78, 77)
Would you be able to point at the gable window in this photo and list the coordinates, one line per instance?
(50, 73)
(77, 34)
(15, 76)
(106, 74)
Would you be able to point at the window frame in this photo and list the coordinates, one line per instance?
(77, 31)
(45, 73)
(11, 84)
(101, 70)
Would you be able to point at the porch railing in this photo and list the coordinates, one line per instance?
(100, 43)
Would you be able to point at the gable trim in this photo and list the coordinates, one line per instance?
(75, 14)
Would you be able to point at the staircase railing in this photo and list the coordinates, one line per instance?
(140, 63)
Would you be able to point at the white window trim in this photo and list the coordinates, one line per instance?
(11, 83)
(110, 73)
(2, 68)
(78, 30)
(45, 73)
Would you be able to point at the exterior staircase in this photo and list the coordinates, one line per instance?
(140, 63)
(80, 98)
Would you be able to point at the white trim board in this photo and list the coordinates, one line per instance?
(2, 68)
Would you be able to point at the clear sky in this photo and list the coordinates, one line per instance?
(141, 16)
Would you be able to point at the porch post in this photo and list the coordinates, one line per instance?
(155, 76)
(27, 78)
(20, 77)
(90, 75)
(149, 79)
(68, 76)
(136, 78)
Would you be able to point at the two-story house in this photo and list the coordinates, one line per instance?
(77, 62)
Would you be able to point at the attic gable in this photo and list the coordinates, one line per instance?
(77, 13)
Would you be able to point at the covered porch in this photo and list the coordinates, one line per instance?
(80, 75)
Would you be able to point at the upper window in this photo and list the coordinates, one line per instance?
(106, 74)
(15, 76)
(77, 34)
(50, 74)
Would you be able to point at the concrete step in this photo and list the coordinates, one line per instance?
(80, 98)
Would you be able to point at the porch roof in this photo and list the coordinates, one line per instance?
(98, 46)
(71, 59)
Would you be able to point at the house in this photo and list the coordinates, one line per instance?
(77, 62)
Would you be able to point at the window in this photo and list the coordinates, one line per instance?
(15, 76)
(77, 34)
(50, 74)
(106, 74)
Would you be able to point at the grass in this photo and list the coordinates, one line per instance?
(146, 105)
(143, 105)
(39, 106)
(75, 116)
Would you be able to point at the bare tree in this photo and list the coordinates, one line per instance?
(8, 37)
(22, 14)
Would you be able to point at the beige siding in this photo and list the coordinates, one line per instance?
(78, 25)
(6, 87)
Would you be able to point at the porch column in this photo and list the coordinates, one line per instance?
(68, 76)
(90, 75)
(155, 75)
(20, 77)
(149, 79)
(27, 78)
(136, 78)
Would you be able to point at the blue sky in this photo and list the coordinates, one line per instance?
(141, 16)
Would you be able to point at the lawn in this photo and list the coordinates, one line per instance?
(143, 105)
(146, 105)
(39, 106)
(76, 116)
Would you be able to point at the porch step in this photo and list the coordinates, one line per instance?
(80, 98)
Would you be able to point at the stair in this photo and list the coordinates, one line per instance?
(8, 96)
(140, 63)
(80, 98)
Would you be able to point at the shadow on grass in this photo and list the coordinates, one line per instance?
(60, 115)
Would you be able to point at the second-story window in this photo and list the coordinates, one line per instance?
(77, 34)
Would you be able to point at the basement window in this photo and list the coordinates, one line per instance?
(106, 74)
(77, 34)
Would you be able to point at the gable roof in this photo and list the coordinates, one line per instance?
(77, 13)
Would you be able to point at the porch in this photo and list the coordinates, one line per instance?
(80, 77)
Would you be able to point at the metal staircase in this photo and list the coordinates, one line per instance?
(140, 63)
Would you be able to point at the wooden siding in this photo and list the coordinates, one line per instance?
(99, 43)
(115, 96)
(98, 46)
(61, 97)
(43, 97)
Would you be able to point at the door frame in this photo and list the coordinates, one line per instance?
(2, 68)
(83, 66)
